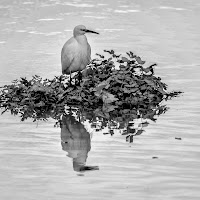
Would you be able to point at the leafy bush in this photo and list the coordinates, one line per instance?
(131, 90)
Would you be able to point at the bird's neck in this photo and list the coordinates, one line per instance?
(81, 39)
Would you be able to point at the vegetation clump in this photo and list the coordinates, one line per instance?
(128, 90)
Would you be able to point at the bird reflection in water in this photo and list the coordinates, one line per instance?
(76, 141)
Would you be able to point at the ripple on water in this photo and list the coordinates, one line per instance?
(110, 29)
(95, 17)
(126, 11)
(171, 8)
(50, 19)
(21, 31)
(28, 3)
(11, 23)
(53, 33)
(81, 5)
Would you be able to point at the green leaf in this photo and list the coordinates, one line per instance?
(124, 59)
(139, 60)
(40, 104)
(122, 67)
(104, 84)
(109, 107)
(150, 82)
(112, 52)
(108, 97)
(78, 98)
(132, 85)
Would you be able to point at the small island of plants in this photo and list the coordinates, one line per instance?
(121, 93)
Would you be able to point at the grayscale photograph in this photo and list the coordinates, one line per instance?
(100, 99)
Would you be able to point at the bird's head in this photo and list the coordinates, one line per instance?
(81, 30)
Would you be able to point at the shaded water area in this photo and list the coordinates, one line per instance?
(162, 162)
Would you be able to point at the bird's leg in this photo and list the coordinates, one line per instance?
(79, 77)
(70, 79)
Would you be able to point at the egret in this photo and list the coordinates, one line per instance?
(76, 52)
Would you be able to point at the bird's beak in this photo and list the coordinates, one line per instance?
(89, 31)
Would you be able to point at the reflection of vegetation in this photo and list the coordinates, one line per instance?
(127, 122)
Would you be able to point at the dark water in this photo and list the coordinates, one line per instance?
(33, 164)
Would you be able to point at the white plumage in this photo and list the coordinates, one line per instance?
(76, 52)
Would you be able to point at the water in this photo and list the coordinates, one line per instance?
(33, 164)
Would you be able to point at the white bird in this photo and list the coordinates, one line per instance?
(76, 52)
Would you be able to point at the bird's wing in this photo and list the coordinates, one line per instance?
(67, 55)
(89, 53)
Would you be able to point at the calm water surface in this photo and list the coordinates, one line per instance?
(33, 164)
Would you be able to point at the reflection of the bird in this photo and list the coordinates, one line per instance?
(75, 140)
